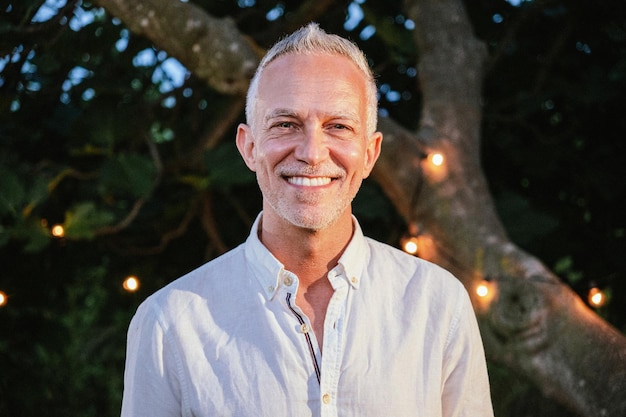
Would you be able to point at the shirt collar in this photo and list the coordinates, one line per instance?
(268, 270)
(354, 257)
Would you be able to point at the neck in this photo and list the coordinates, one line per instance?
(309, 254)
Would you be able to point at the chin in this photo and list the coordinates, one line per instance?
(314, 222)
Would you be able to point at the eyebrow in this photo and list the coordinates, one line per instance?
(280, 113)
(284, 112)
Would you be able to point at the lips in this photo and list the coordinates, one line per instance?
(309, 181)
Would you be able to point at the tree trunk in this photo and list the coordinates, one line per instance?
(532, 323)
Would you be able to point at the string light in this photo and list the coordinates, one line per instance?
(482, 290)
(410, 244)
(3, 299)
(434, 166)
(131, 284)
(596, 297)
(57, 231)
(485, 291)
(436, 159)
(410, 241)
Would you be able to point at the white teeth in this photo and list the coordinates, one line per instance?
(309, 182)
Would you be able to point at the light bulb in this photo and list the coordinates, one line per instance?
(434, 167)
(486, 291)
(131, 284)
(596, 297)
(436, 159)
(58, 231)
(482, 290)
(409, 245)
(3, 299)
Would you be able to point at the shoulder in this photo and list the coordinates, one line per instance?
(384, 256)
(210, 280)
(415, 282)
(214, 272)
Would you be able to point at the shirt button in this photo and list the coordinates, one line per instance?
(354, 280)
(288, 281)
(270, 288)
(304, 328)
(326, 398)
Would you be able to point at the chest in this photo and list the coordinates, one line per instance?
(313, 301)
(265, 363)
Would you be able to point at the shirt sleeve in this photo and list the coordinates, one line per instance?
(465, 391)
(151, 383)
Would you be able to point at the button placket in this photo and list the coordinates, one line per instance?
(331, 360)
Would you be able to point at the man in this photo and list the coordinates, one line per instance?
(308, 317)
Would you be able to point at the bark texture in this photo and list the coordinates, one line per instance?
(212, 48)
(534, 323)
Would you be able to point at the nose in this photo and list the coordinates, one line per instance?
(313, 147)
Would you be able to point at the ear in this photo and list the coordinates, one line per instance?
(245, 144)
(372, 152)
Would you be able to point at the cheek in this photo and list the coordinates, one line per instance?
(355, 159)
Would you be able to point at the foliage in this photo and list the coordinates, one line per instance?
(553, 135)
(107, 136)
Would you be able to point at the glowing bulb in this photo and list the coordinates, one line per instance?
(436, 159)
(58, 231)
(3, 299)
(486, 291)
(482, 290)
(596, 297)
(409, 245)
(131, 284)
(434, 167)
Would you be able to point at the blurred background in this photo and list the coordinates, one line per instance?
(106, 194)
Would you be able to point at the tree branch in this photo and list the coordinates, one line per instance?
(211, 48)
(535, 324)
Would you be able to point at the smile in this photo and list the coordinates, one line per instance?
(309, 181)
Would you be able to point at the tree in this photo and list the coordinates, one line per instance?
(143, 163)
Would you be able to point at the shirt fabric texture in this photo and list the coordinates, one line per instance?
(227, 339)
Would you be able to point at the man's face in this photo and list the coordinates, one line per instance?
(309, 147)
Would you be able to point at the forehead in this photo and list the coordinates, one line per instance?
(304, 82)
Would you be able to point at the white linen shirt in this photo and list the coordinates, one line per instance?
(227, 339)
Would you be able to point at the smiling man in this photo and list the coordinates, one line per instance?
(308, 317)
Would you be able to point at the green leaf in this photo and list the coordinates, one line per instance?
(82, 221)
(226, 168)
(128, 173)
(160, 134)
(11, 192)
(564, 267)
(198, 182)
(35, 236)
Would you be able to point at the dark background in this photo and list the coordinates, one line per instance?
(84, 106)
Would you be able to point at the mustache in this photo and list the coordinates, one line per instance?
(324, 170)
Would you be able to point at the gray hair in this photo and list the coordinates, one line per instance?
(311, 39)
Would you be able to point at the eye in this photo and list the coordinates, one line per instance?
(340, 127)
(284, 125)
